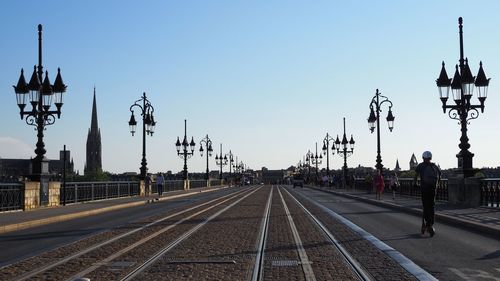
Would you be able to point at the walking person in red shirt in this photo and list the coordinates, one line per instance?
(378, 183)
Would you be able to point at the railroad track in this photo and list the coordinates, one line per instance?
(304, 262)
(122, 243)
(147, 264)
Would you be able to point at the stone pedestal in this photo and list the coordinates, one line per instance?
(54, 193)
(208, 183)
(31, 195)
(186, 185)
(464, 191)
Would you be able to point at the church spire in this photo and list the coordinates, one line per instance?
(93, 124)
(93, 164)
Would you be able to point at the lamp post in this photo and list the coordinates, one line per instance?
(375, 109)
(462, 87)
(208, 146)
(148, 126)
(344, 149)
(40, 97)
(221, 161)
(317, 159)
(231, 160)
(182, 150)
(309, 156)
(326, 151)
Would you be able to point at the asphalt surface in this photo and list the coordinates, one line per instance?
(452, 254)
(19, 245)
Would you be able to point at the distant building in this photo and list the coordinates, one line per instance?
(93, 165)
(15, 168)
(397, 168)
(413, 162)
(272, 176)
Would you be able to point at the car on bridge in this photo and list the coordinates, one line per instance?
(297, 180)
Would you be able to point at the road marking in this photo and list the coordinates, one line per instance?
(304, 260)
(474, 274)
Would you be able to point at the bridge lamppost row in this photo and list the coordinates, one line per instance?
(326, 150)
(345, 149)
(317, 159)
(148, 126)
(182, 150)
(375, 109)
(462, 87)
(208, 146)
(220, 161)
(40, 97)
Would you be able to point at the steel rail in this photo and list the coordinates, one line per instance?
(138, 270)
(357, 268)
(259, 259)
(39, 270)
(304, 260)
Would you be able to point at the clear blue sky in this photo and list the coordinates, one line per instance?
(268, 79)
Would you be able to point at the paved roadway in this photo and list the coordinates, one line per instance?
(452, 254)
(18, 245)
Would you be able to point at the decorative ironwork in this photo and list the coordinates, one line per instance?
(462, 86)
(90, 191)
(11, 196)
(148, 126)
(182, 150)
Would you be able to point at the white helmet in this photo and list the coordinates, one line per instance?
(427, 155)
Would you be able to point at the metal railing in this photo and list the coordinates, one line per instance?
(215, 182)
(197, 183)
(11, 196)
(490, 192)
(406, 188)
(89, 191)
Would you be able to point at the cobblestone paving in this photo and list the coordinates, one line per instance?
(223, 249)
(67, 269)
(377, 263)
(139, 255)
(327, 261)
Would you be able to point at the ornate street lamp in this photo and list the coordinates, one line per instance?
(148, 126)
(220, 161)
(40, 96)
(185, 150)
(309, 156)
(208, 146)
(344, 149)
(375, 109)
(326, 150)
(462, 87)
(231, 160)
(317, 159)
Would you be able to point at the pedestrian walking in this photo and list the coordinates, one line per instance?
(430, 175)
(147, 184)
(394, 185)
(378, 183)
(159, 184)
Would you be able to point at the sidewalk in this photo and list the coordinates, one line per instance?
(481, 219)
(18, 220)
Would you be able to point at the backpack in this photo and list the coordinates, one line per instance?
(429, 175)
